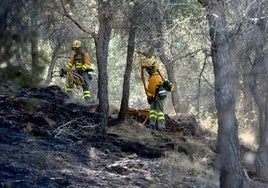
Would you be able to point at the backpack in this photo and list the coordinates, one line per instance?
(167, 85)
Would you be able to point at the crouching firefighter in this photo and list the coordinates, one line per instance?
(155, 92)
(81, 61)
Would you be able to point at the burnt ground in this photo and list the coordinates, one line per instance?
(48, 142)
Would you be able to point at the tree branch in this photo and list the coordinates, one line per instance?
(67, 15)
(204, 2)
(186, 55)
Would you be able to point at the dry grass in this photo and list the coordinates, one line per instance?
(132, 131)
(180, 166)
(196, 163)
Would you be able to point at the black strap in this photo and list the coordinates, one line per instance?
(160, 75)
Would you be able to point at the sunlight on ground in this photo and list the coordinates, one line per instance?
(248, 137)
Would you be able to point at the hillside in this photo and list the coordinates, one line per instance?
(46, 141)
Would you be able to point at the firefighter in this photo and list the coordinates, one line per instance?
(81, 61)
(155, 94)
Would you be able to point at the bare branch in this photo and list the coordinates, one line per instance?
(189, 54)
(66, 14)
(204, 2)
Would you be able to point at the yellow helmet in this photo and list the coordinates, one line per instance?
(150, 62)
(77, 44)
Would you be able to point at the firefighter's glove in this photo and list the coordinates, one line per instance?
(150, 100)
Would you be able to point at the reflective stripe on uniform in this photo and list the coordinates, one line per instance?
(69, 65)
(86, 66)
(161, 116)
(69, 89)
(86, 94)
(153, 114)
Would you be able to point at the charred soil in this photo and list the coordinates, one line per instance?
(48, 142)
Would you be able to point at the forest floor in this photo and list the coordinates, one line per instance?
(46, 141)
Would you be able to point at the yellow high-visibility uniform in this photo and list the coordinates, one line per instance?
(82, 64)
(156, 113)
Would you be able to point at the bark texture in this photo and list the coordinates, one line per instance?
(225, 72)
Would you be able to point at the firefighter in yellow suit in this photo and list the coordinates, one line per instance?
(81, 61)
(155, 99)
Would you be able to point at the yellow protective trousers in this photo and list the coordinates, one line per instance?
(156, 113)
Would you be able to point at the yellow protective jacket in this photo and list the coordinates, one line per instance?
(80, 62)
(154, 81)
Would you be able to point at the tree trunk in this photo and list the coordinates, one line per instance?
(262, 155)
(126, 86)
(102, 40)
(260, 93)
(231, 175)
(52, 66)
(130, 51)
(171, 76)
(34, 44)
(240, 57)
(259, 88)
(167, 62)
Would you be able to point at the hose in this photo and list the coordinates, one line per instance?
(73, 78)
(141, 57)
